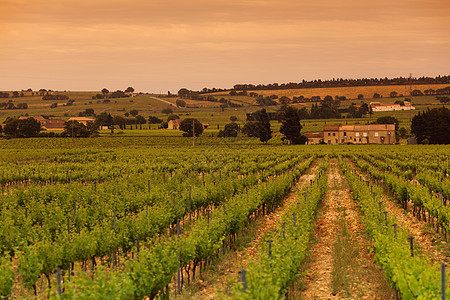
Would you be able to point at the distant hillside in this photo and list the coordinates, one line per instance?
(348, 92)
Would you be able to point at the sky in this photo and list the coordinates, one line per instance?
(164, 45)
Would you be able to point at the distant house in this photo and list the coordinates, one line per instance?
(359, 134)
(40, 119)
(47, 124)
(314, 138)
(54, 124)
(205, 125)
(377, 106)
(174, 124)
(82, 120)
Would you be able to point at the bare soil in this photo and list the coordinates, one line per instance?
(221, 276)
(426, 238)
(365, 279)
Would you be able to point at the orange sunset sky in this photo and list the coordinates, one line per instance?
(156, 45)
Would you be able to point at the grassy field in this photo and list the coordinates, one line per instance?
(211, 112)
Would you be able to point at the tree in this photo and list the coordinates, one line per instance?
(11, 127)
(105, 91)
(172, 117)
(104, 119)
(154, 120)
(29, 127)
(290, 125)
(134, 112)
(393, 94)
(389, 120)
(92, 127)
(181, 103)
(140, 120)
(54, 105)
(129, 90)
(284, 100)
(189, 130)
(230, 130)
(360, 96)
(376, 96)
(167, 111)
(233, 118)
(432, 125)
(184, 93)
(75, 129)
(260, 127)
(119, 121)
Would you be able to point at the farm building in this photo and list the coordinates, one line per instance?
(314, 138)
(377, 106)
(174, 124)
(359, 134)
(54, 124)
(82, 120)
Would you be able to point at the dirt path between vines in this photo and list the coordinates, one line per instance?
(365, 280)
(221, 277)
(426, 238)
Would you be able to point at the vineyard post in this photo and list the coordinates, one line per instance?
(305, 196)
(395, 230)
(385, 218)
(26, 212)
(190, 202)
(270, 248)
(114, 224)
(411, 245)
(443, 283)
(173, 201)
(298, 205)
(207, 211)
(379, 204)
(33, 176)
(146, 209)
(149, 186)
(74, 208)
(58, 278)
(244, 282)
(137, 249)
(68, 225)
(179, 258)
(373, 197)
(293, 215)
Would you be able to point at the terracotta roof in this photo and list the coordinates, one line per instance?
(382, 127)
(331, 128)
(347, 127)
(313, 134)
(54, 124)
(81, 119)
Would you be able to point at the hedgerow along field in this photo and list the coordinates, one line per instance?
(130, 218)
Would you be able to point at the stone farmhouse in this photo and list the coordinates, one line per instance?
(377, 106)
(382, 134)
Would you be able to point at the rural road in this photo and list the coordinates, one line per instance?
(165, 101)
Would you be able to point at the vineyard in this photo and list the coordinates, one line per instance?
(128, 218)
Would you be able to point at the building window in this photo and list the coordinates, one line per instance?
(329, 134)
(376, 133)
(345, 133)
(365, 134)
(360, 139)
(334, 133)
(357, 134)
